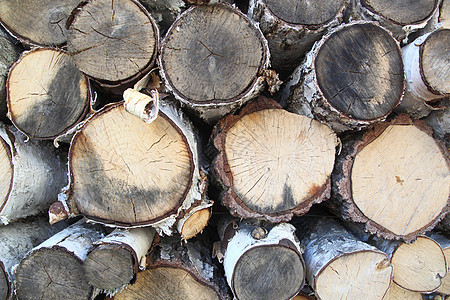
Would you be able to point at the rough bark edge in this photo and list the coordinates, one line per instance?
(222, 172)
(118, 87)
(9, 146)
(341, 201)
(10, 114)
(310, 100)
(237, 101)
(9, 285)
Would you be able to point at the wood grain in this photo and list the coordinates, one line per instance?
(6, 172)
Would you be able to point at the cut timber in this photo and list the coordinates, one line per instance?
(9, 53)
(125, 172)
(113, 42)
(47, 94)
(37, 22)
(401, 17)
(272, 163)
(338, 265)
(195, 221)
(178, 271)
(427, 71)
(352, 77)
(212, 59)
(292, 27)
(262, 262)
(31, 174)
(116, 258)
(394, 178)
(396, 292)
(54, 270)
(444, 16)
(164, 11)
(445, 245)
(17, 239)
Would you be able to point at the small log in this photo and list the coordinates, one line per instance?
(445, 245)
(54, 270)
(401, 18)
(164, 11)
(113, 42)
(116, 258)
(17, 239)
(396, 292)
(292, 27)
(31, 174)
(47, 105)
(394, 178)
(340, 266)
(427, 73)
(195, 220)
(178, 271)
(351, 78)
(261, 261)
(9, 54)
(37, 23)
(271, 163)
(213, 59)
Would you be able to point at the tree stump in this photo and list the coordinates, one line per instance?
(54, 270)
(292, 27)
(427, 73)
(213, 59)
(351, 78)
(31, 174)
(9, 54)
(17, 239)
(271, 163)
(114, 43)
(46, 106)
(116, 258)
(340, 266)
(445, 245)
(394, 178)
(261, 261)
(37, 23)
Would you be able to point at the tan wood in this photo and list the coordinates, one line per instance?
(6, 172)
(396, 292)
(49, 102)
(444, 16)
(195, 223)
(444, 242)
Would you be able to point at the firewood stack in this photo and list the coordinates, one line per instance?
(149, 150)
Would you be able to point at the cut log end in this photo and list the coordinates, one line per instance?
(268, 272)
(195, 223)
(396, 292)
(6, 172)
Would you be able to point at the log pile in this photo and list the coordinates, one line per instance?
(148, 149)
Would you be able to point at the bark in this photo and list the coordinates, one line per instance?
(445, 245)
(351, 78)
(396, 292)
(9, 54)
(164, 11)
(224, 59)
(272, 164)
(379, 179)
(439, 120)
(32, 173)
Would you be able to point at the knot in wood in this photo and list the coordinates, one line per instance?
(259, 233)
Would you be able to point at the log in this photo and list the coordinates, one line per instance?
(213, 59)
(128, 173)
(113, 42)
(396, 292)
(379, 179)
(17, 239)
(340, 266)
(426, 71)
(32, 173)
(439, 120)
(292, 27)
(164, 11)
(116, 258)
(54, 270)
(37, 23)
(272, 164)
(351, 78)
(48, 105)
(444, 15)
(261, 261)
(445, 245)
(178, 271)
(9, 54)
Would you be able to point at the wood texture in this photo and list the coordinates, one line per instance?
(396, 292)
(112, 41)
(37, 22)
(445, 245)
(9, 53)
(164, 11)
(195, 223)
(48, 104)
(269, 163)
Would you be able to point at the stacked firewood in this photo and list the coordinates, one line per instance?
(261, 149)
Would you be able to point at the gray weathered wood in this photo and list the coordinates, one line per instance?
(9, 53)
(164, 11)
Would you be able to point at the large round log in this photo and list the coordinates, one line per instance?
(351, 78)
(394, 178)
(213, 59)
(46, 105)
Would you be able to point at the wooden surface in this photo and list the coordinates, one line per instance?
(211, 54)
(127, 172)
(435, 61)
(402, 12)
(40, 22)
(112, 40)
(304, 12)
(396, 292)
(46, 104)
(359, 70)
(6, 172)
(444, 242)
(195, 223)
(9, 53)
(4, 285)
